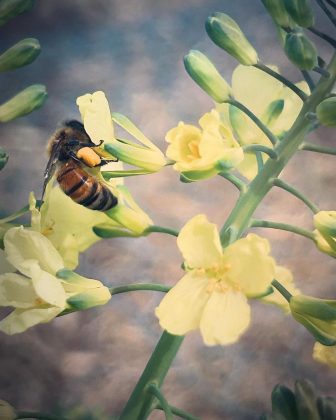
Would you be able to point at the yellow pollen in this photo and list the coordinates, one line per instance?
(88, 156)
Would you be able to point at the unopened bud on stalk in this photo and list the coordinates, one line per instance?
(300, 11)
(226, 33)
(278, 12)
(3, 158)
(11, 8)
(20, 54)
(326, 112)
(23, 103)
(205, 74)
(300, 50)
(317, 315)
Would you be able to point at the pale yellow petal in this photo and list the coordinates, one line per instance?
(5, 267)
(181, 309)
(199, 243)
(48, 288)
(23, 246)
(17, 291)
(250, 265)
(225, 317)
(254, 88)
(325, 354)
(21, 319)
(184, 140)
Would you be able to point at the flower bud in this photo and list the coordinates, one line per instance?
(278, 12)
(25, 102)
(20, 54)
(325, 243)
(3, 158)
(325, 222)
(300, 11)
(283, 402)
(306, 400)
(326, 407)
(326, 112)
(226, 33)
(300, 50)
(318, 316)
(12, 8)
(205, 74)
(7, 412)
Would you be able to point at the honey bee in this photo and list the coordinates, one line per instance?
(72, 155)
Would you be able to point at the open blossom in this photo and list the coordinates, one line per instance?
(203, 152)
(212, 295)
(35, 291)
(262, 94)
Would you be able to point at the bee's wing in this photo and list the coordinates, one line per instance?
(50, 169)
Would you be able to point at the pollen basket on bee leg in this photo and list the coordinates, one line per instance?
(88, 156)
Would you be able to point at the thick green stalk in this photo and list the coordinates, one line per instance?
(141, 401)
(240, 216)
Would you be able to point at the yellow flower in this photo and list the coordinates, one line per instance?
(259, 92)
(35, 293)
(202, 153)
(285, 277)
(325, 354)
(212, 296)
(7, 412)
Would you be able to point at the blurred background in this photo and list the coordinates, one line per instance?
(133, 50)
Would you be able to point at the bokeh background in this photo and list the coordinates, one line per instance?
(132, 50)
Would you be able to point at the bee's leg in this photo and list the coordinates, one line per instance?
(91, 144)
(106, 161)
(74, 157)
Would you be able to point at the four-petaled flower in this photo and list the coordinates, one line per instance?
(212, 295)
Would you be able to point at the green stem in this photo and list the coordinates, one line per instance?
(317, 148)
(282, 184)
(141, 403)
(282, 79)
(283, 226)
(181, 413)
(161, 229)
(155, 390)
(252, 148)
(238, 183)
(285, 293)
(263, 182)
(308, 79)
(34, 415)
(254, 118)
(139, 286)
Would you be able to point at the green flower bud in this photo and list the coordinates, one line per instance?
(283, 402)
(12, 8)
(25, 102)
(301, 51)
(226, 33)
(325, 222)
(20, 54)
(278, 12)
(7, 412)
(326, 407)
(306, 400)
(326, 112)
(318, 316)
(3, 158)
(300, 11)
(205, 74)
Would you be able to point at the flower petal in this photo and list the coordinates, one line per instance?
(225, 317)
(22, 319)
(199, 243)
(181, 309)
(47, 287)
(96, 116)
(325, 354)
(17, 291)
(250, 265)
(24, 245)
(5, 267)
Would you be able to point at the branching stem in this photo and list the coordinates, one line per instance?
(282, 226)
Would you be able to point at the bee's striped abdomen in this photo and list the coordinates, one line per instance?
(84, 188)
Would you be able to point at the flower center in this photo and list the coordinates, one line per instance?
(220, 280)
(194, 150)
